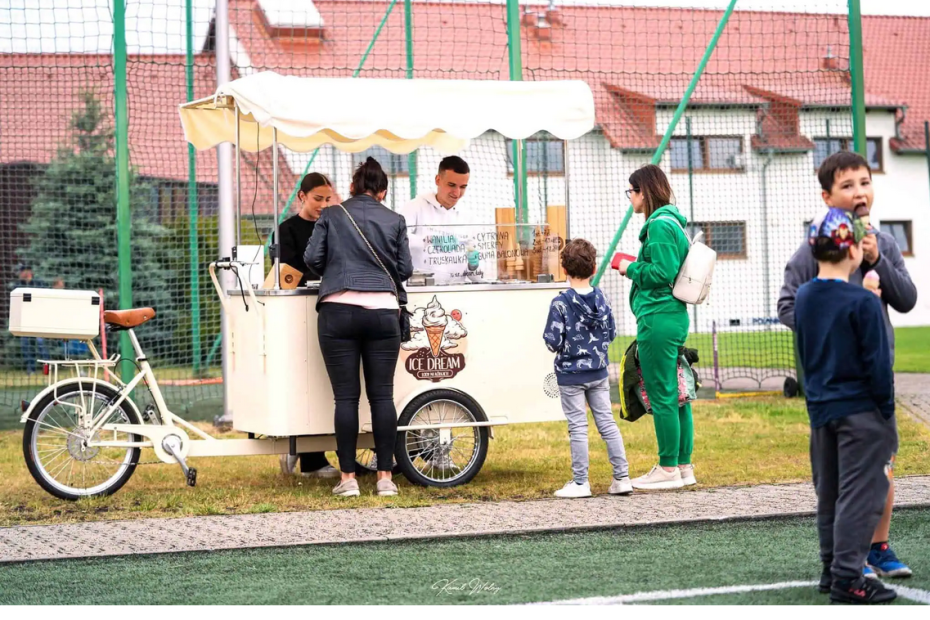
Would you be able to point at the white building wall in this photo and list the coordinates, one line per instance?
(745, 289)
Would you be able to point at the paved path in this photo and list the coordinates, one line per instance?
(108, 538)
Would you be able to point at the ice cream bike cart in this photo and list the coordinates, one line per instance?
(476, 358)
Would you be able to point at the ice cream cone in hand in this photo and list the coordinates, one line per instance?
(871, 281)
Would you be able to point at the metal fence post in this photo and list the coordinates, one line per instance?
(856, 76)
(517, 153)
(408, 34)
(192, 203)
(123, 211)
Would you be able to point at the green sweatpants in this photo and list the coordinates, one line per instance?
(659, 336)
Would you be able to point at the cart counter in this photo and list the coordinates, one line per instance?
(482, 339)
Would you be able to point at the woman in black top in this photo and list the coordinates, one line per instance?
(315, 194)
(361, 251)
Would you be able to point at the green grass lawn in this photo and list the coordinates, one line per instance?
(775, 350)
(525, 461)
(912, 349)
(493, 570)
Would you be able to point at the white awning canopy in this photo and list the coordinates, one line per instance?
(354, 114)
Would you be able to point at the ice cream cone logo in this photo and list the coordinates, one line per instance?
(435, 322)
(433, 333)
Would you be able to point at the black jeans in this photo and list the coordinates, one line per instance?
(349, 335)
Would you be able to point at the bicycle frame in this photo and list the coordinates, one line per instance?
(144, 373)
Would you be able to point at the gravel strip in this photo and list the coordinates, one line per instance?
(112, 538)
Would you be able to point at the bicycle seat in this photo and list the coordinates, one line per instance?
(127, 319)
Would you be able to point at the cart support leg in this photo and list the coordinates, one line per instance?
(293, 445)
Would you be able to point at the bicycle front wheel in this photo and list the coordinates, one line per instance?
(56, 447)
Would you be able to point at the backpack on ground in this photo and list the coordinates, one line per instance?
(692, 284)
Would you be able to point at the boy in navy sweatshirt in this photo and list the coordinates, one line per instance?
(579, 331)
(849, 385)
(846, 183)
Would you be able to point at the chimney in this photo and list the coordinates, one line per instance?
(829, 62)
(529, 18)
(553, 15)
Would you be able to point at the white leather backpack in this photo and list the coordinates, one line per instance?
(692, 284)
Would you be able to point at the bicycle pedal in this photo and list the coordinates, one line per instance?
(192, 477)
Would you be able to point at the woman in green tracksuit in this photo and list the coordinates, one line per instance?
(662, 324)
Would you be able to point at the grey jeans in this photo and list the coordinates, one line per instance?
(851, 459)
(597, 395)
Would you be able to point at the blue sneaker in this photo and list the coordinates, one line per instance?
(885, 563)
(868, 573)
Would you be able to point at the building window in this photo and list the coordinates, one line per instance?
(901, 231)
(708, 154)
(543, 155)
(393, 164)
(727, 239)
(823, 148)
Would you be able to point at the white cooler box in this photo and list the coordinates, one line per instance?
(54, 313)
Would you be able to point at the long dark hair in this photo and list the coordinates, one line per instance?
(314, 180)
(369, 178)
(652, 182)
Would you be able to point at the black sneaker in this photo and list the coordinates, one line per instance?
(861, 591)
(826, 580)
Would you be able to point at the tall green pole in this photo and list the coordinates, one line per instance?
(123, 212)
(287, 207)
(193, 236)
(857, 77)
(682, 105)
(517, 153)
(408, 33)
(694, 324)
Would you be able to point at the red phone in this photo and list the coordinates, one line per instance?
(619, 256)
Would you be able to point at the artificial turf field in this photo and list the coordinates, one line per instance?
(621, 565)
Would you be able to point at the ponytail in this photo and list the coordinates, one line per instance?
(369, 178)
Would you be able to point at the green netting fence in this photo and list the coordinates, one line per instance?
(773, 100)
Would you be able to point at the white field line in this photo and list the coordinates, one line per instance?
(913, 594)
(918, 596)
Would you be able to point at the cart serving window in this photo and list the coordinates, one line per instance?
(475, 359)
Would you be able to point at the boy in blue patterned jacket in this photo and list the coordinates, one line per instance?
(579, 331)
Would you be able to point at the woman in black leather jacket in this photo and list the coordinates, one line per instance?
(361, 252)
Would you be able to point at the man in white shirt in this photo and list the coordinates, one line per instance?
(437, 244)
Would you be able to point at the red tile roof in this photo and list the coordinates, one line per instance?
(896, 53)
(46, 89)
(649, 54)
(633, 58)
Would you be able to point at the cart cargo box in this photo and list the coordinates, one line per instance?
(54, 313)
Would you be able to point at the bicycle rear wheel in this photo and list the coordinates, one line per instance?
(56, 450)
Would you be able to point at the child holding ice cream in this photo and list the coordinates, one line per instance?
(579, 330)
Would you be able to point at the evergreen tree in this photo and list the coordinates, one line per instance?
(73, 232)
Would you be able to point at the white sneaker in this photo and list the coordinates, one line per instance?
(658, 478)
(347, 488)
(386, 487)
(573, 490)
(287, 463)
(687, 475)
(623, 486)
(324, 472)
